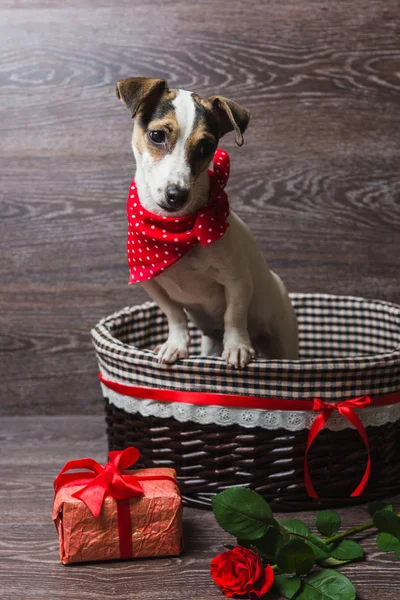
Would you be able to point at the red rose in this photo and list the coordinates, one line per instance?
(240, 571)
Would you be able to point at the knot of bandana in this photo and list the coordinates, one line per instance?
(155, 243)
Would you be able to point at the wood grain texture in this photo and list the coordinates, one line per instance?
(33, 451)
(318, 180)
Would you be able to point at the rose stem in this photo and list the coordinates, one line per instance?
(358, 529)
(339, 536)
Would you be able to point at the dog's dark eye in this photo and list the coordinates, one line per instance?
(205, 148)
(157, 136)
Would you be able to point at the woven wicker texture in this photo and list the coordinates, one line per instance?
(211, 458)
(349, 347)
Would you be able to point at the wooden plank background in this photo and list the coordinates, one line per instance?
(317, 180)
(34, 449)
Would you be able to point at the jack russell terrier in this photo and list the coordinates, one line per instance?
(193, 256)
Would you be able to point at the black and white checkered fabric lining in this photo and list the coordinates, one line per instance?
(348, 347)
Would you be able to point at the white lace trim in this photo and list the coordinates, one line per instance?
(267, 419)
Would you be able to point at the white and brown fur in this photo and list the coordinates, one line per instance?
(226, 289)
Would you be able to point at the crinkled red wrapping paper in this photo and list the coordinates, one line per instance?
(156, 522)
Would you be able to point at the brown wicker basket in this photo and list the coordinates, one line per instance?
(349, 349)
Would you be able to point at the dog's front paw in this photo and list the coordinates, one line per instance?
(238, 355)
(171, 350)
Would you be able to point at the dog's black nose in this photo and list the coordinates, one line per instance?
(176, 196)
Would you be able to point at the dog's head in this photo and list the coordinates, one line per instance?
(175, 135)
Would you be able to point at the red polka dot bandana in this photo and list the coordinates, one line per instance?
(155, 243)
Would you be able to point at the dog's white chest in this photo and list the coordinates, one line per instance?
(193, 283)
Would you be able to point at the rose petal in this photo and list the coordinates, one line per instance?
(240, 571)
(227, 593)
(263, 585)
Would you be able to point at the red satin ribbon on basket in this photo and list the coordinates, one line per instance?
(345, 408)
(109, 480)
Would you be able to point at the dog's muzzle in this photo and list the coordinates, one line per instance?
(176, 197)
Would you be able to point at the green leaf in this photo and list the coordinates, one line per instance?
(330, 562)
(387, 522)
(296, 526)
(388, 543)
(287, 586)
(274, 523)
(295, 557)
(373, 507)
(269, 544)
(326, 585)
(229, 546)
(328, 522)
(343, 552)
(318, 546)
(398, 553)
(242, 513)
(347, 550)
(245, 544)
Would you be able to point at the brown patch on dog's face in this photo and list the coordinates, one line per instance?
(200, 145)
(157, 122)
(200, 148)
(175, 136)
(138, 139)
(203, 141)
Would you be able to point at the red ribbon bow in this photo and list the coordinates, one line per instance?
(102, 481)
(345, 408)
(108, 481)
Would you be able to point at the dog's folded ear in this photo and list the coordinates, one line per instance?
(231, 116)
(135, 90)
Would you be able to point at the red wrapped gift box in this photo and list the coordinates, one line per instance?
(110, 513)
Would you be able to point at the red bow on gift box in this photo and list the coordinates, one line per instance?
(109, 480)
(102, 481)
(345, 408)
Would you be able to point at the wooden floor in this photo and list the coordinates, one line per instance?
(33, 450)
(318, 182)
(318, 179)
